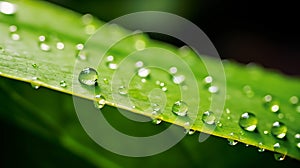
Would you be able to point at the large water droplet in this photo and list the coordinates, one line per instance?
(123, 90)
(279, 130)
(88, 76)
(248, 121)
(7, 8)
(180, 108)
(99, 102)
(271, 104)
(209, 117)
(279, 156)
(144, 72)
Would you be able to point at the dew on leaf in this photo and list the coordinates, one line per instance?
(45, 47)
(164, 89)
(99, 101)
(294, 100)
(209, 118)
(140, 45)
(213, 89)
(144, 72)
(15, 36)
(173, 70)
(180, 108)
(232, 142)
(297, 136)
(79, 46)
(279, 156)
(123, 90)
(88, 76)
(279, 130)
(139, 64)
(178, 79)
(60, 45)
(34, 83)
(112, 66)
(156, 121)
(13, 28)
(248, 121)
(8, 8)
(63, 84)
(42, 38)
(260, 148)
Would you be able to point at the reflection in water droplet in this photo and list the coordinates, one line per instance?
(123, 90)
(155, 107)
(99, 101)
(60, 45)
(279, 156)
(178, 79)
(209, 117)
(279, 130)
(260, 148)
(88, 76)
(180, 108)
(110, 58)
(294, 100)
(298, 145)
(232, 142)
(63, 83)
(248, 121)
(7, 8)
(143, 72)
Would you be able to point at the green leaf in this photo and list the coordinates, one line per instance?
(42, 63)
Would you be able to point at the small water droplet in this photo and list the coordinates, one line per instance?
(180, 108)
(173, 70)
(88, 76)
(87, 19)
(144, 72)
(213, 89)
(208, 80)
(227, 110)
(190, 131)
(99, 101)
(248, 91)
(8, 8)
(274, 108)
(156, 121)
(155, 107)
(260, 148)
(63, 83)
(276, 145)
(140, 45)
(279, 156)
(279, 130)
(112, 66)
(298, 109)
(266, 132)
(161, 84)
(35, 66)
(34, 84)
(219, 124)
(79, 46)
(13, 28)
(15, 36)
(178, 79)
(157, 82)
(208, 117)
(267, 98)
(123, 90)
(228, 118)
(42, 38)
(105, 80)
(232, 142)
(298, 145)
(139, 64)
(60, 45)
(164, 89)
(294, 100)
(297, 136)
(248, 121)
(44, 47)
(90, 29)
(110, 58)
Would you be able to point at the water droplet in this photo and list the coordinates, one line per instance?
(227, 110)
(164, 89)
(297, 136)
(178, 79)
(34, 84)
(139, 64)
(110, 58)
(15, 36)
(60, 45)
(279, 130)
(112, 66)
(79, 47)
(213, 89)
(44, 47)
(180, 108)
(248, 121)
(190, 131)
(276, 145)
(232, 142)
(275, 108)
(42, 38)
(99, 101)
(294, 100)
(228, 118)
(298, 145)
(105, 80)
(123, 90)
(88, 76)
(157, 82)
(279, 156)
(35, 66)
(90, 29)
(266, 132)
(144, 72)
(161, 84)
(173, 70)
(260, 148)
(155, 107)
(219, 124)
(267, 98)
(280, 115)
(140, 45)
(82, 55)
(209, 117)
(143, 80)
(156, 121)
(208, 80)
(270, 104)
(87, 19)
(8, 8)
(13, 28)
(63, 83)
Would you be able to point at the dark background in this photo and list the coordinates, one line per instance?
(264, 32)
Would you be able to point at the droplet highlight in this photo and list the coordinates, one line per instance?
(248, 121)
